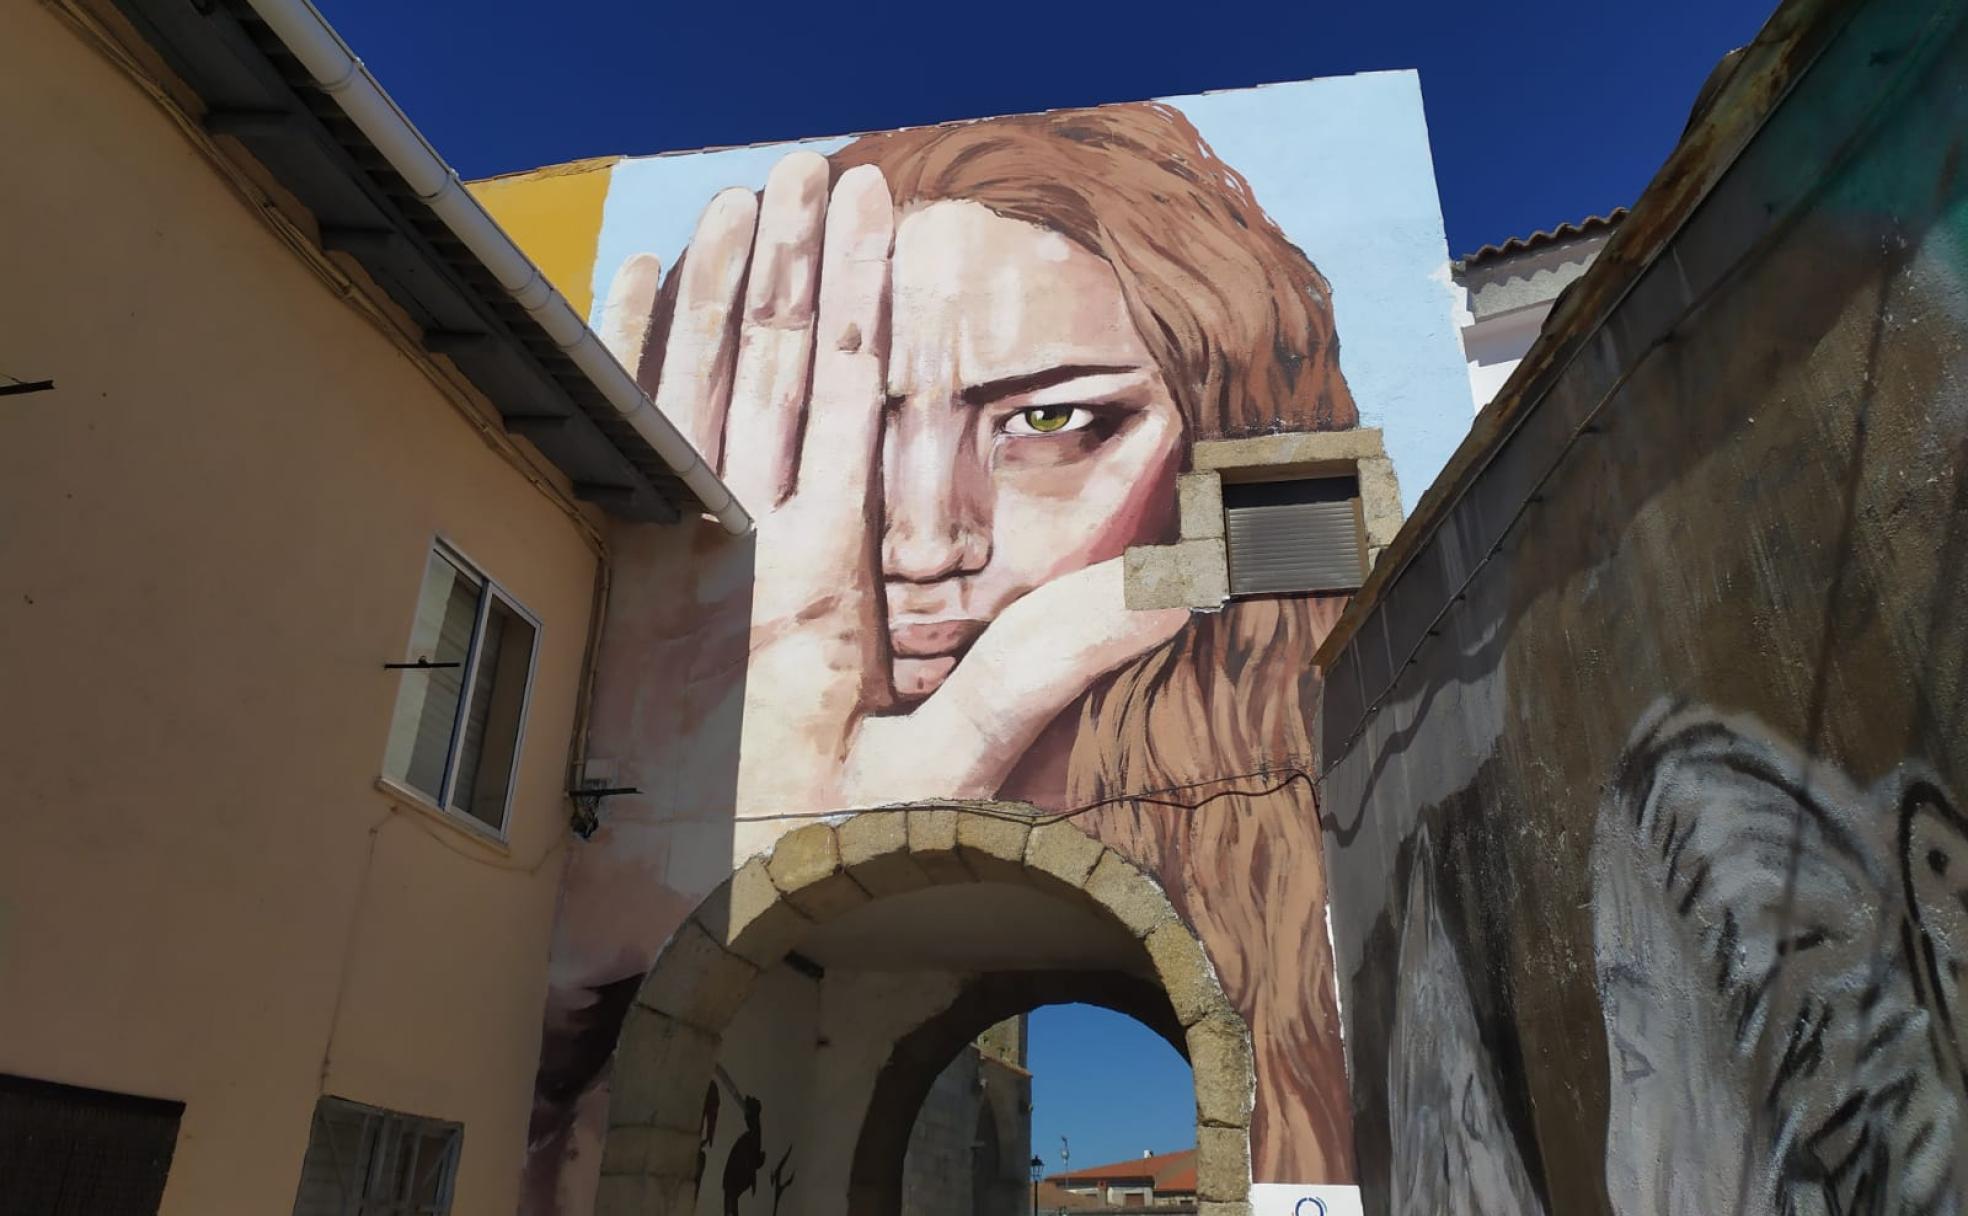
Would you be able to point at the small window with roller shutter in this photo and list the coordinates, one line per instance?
(460, 709)
(1304, 534)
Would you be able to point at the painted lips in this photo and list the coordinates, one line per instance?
(926, 652)
(933, 639)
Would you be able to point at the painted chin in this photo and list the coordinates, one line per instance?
(917, 678)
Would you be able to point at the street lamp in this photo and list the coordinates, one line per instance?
(1038, 1167)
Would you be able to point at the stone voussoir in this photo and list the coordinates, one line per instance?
(1223, 1164)
(1220, 1057)
(1133, 898)
(933, 844)
(874, 848)
(697, 981)
(654, 1080)
(646, 1149)
(1061, 854)
(1184, 969)
(991, 840)
(627, 1195)
(748, 916)
(806, 867)
(803, 857)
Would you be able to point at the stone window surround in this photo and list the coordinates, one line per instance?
(1194, 572)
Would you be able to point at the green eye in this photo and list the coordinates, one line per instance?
(1047, 418)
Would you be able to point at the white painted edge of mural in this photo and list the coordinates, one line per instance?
(1304, 1199)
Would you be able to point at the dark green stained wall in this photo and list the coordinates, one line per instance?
(1650, 871)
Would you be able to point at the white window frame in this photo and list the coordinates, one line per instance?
(441, 801)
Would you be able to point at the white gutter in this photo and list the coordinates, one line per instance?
(341, 75)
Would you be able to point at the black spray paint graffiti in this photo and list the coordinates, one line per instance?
(782, 1181)
(746, 1157)
(1779, 958)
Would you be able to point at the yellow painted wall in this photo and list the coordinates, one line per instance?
(211, 538)
(554, 215)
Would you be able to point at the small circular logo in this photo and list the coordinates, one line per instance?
(1311, 1205)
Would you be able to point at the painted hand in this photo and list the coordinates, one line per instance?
(774, 362)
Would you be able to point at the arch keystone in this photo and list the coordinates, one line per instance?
(933, 844)
(806, 867)
(993, 844)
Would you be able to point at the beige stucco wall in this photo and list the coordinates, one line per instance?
(211, 538)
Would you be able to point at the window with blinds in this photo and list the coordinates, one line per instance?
(1306, 534)
(459, 713)
(365, 1161)
(68, 1151)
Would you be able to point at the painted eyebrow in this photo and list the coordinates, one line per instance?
(1031, 382)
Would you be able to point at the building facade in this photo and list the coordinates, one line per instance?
(1510, 288)
(1152, 1182)
(607, 729)
(254, 904)
(1007, 700)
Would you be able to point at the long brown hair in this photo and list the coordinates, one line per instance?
(1241, 324)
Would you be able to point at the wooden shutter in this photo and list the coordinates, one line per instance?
(1300, 535)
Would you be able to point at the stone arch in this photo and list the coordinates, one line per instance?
(666, 1053)
(875, 1182)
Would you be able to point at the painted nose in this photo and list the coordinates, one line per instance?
(938, 490)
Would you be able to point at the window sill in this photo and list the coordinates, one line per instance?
(457, 821)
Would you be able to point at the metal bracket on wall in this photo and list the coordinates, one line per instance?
(587, 806)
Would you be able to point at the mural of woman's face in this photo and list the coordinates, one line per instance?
(1029, 432)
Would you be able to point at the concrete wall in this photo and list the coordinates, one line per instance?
(1645, 827)
(212, 535)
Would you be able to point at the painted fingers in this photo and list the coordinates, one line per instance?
(775, 334)
(774, 357)
(694, 384)
(629, 313)
(840, 446)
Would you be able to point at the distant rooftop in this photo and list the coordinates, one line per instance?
(1154, 1169)
(1594, 225)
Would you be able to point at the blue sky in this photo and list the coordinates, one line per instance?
(1109, 1084)
(1539, 111)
